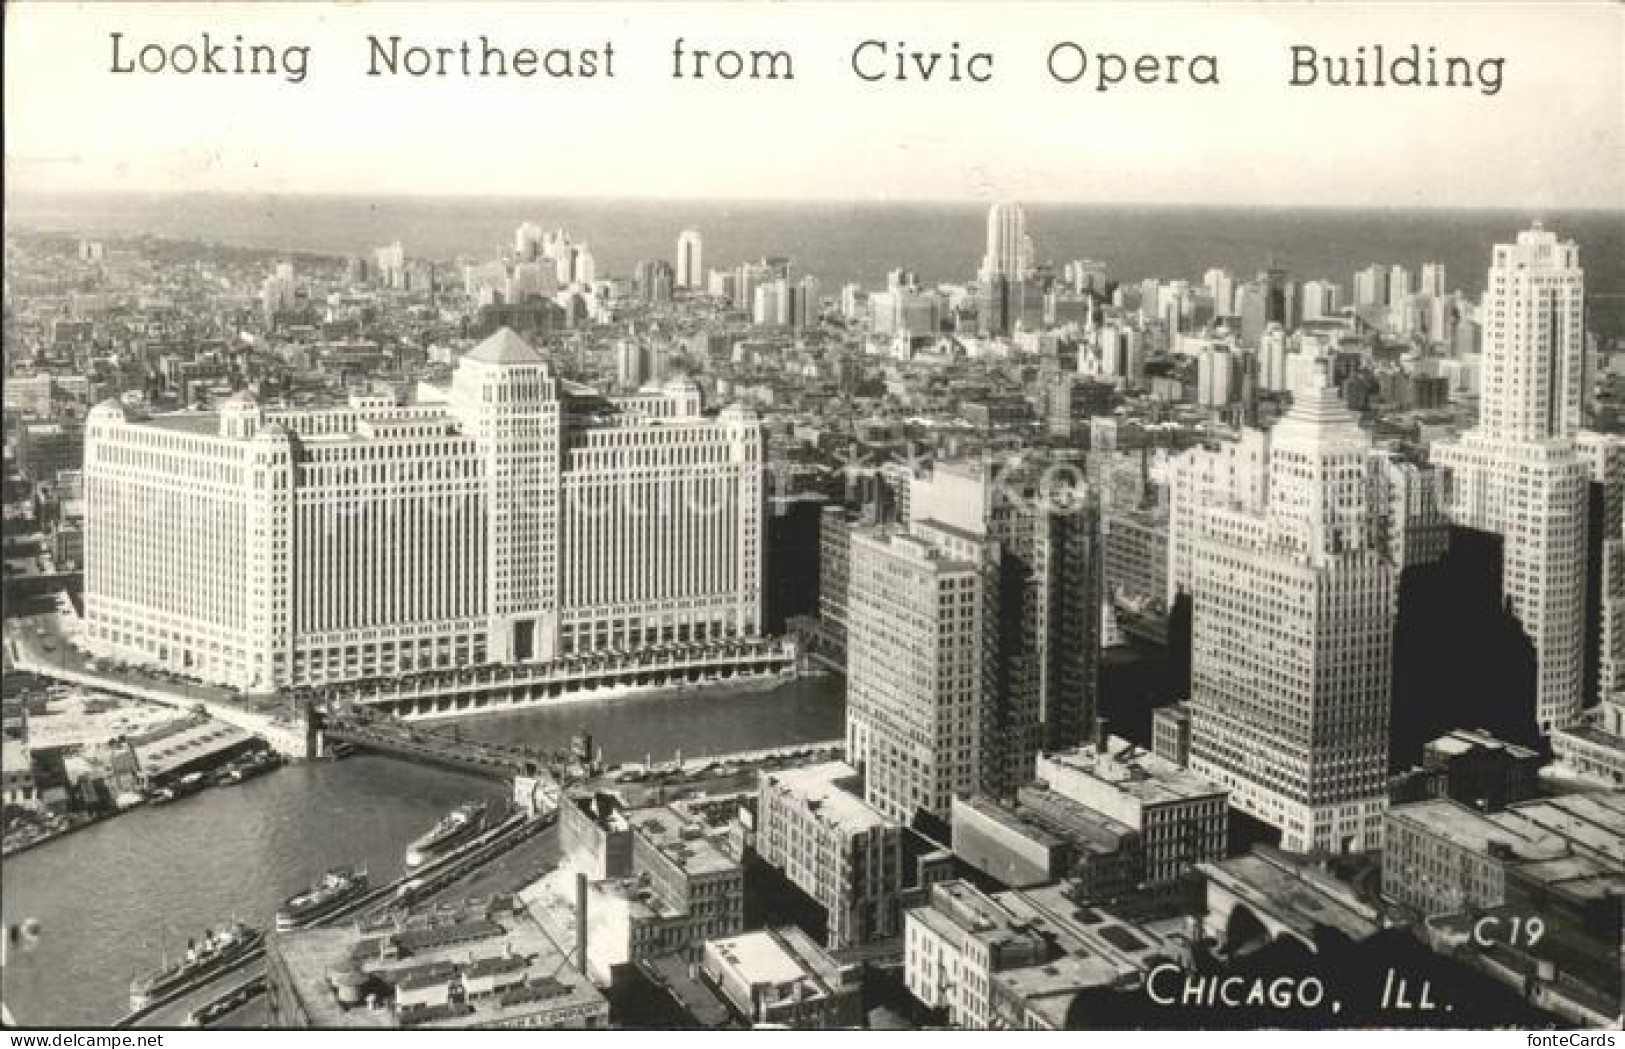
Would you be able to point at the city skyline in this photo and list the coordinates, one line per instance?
(701, 516)
(373, 533)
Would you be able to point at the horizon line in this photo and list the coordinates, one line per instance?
(11, 192)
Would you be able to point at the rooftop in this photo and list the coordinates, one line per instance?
(1095, 932)
(505, 347)
(531, 975)
(822, 788)
(1050, 819)
(681, 839)
(1594, 824)
(958, 908)
(778, 957)
(1477, 832)
(1136, 772)
(205, 423)
(1463, 741)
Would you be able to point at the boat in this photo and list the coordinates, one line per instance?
(187, 785)
(219, 949)
(221, 1007)
(333, 890)
(249, 767)
(456, 829)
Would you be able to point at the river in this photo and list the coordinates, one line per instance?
(112, 897)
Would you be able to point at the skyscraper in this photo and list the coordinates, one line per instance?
(1041, 600)
(1432, 279)
(690, 269)
(1519, 474)
(914, 667)
(1009, 250)
(1293, 606)
(1371, 286)
(527, 242)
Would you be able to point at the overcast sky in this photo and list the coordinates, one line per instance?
(1554, 135)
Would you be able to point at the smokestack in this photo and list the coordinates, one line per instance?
(581, 922)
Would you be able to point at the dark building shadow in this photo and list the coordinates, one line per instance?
(1461, 659)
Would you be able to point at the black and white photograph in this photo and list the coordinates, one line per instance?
(769, 516)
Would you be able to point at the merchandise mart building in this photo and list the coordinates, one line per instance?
(514, 519)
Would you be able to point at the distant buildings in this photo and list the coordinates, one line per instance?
(653, 280)
(690, 261)
(1009, 248)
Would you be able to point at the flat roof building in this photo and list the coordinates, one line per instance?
(487, 964)
(1181, 817)
(781, 977)
(833, 845)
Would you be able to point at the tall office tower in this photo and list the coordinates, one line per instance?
(1282, 298)
(652, 280)
(1321, 299)
(1594, 745)
(900, 279)
(1042, 597)
(751, 276)
(1519, 474)
(1088, 275)
(771, 306)
(722, 284)
(806, 301)
(565, 257)
(586, 266)
(1371, 286)
(914, 667)
(508, 521)
(1604, 454)
(631, 364)
(391, 265)
(1215, 376)
(1252, 308)
(1221, 285)
(527, 242)
(1272, 359)
(1399, 285)
(690, 274)
(1293, 611)
(853, 301)
(1432, 280)
(1009, 251)
(1222, 473)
